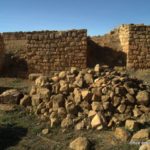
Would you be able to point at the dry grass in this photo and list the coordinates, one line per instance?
(21, 131)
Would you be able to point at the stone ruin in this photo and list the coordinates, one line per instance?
(50, 51)
(88, 99)
(77, 96)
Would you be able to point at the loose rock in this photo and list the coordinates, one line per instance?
(81, 143)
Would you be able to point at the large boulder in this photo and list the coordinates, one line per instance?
(141, 135)
(11, 96)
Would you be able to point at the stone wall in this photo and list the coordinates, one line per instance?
(127, 45)
(139, 47)
(110, 40)
(48, 51)
(110, 49)
(45, 51)
(15, 51)
(1, 52)
(55, 51)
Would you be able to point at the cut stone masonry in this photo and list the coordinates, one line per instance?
(48, 51)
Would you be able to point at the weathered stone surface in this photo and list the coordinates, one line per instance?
(58, 101)
(96, 106)
(121, 108)
(143, 97)
(97, 68)
(45, 131)
(41, 81)
(34, 76)
(131, 125)
(64, 87)
(71, 108)
(116, 101)
(77, 96)
(67, 122)
(86, 95)
(11, 96)
(36, 100)
(105, 98)
(62, 112)
(80, 125)
(98, 120)
(62, 75)
(80, 143)
(88, 78)
(54, 122)
(91, 113)
(33, 90)
(121, 134)
(137, 112)
(74, 70)
(141, 135)
(44, 93)
(55, 78)
(145, 146)
(25, 101)
(130, 98)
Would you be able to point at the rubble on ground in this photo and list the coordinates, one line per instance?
(80, 143)
(96, 98)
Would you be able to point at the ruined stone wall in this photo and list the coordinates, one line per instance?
(124, 38)
(15, 42)
(45, 51)
(56, 50)
(111, 48)
(139, 47)
(1, 53)
(131, 41)
(15, 52)
(110, 40)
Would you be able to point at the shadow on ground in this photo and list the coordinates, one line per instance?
(10, 135)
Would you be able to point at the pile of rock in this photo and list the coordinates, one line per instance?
(90, 98)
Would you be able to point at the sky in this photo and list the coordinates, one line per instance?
(97, 16)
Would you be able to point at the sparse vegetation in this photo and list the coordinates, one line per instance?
(21, 131)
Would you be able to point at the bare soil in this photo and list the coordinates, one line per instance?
(21, 131)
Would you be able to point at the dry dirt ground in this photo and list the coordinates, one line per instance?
(21, 131)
